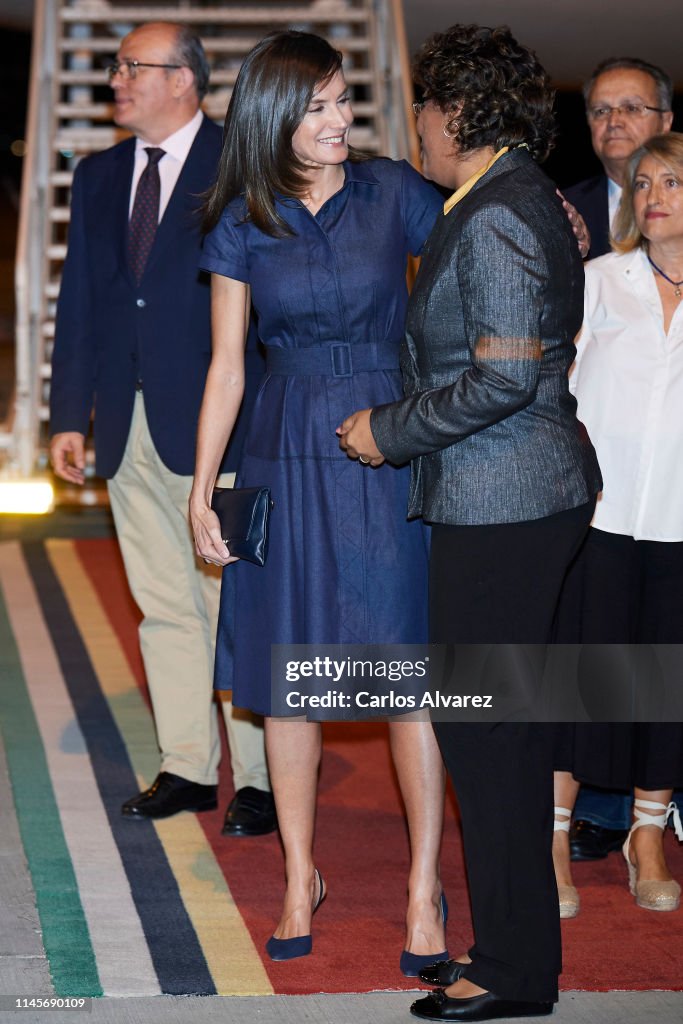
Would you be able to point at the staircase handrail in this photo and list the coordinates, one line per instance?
(403, 141)
(30, 256)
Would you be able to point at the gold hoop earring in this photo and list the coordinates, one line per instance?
(451, 129)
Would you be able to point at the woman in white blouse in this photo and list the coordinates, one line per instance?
(627, 586)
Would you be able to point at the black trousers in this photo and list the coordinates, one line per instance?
(627, 592)
(501, 584)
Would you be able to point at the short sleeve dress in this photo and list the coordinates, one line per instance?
(344, 566)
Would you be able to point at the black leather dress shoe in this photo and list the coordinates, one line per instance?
(251, 813)
(169, 794)
(588, 841)
(443, 972)
(439, 1006)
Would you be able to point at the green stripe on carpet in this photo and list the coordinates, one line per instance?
(65, 932)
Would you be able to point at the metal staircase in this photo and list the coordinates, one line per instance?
(70, 116)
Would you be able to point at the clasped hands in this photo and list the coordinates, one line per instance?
(355, 438)
(355, 435)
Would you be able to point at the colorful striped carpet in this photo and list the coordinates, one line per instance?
(136, 908)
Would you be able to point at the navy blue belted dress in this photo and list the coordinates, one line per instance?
(344, 564)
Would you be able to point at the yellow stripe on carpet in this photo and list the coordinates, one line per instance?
(232, 958)
(119, 945)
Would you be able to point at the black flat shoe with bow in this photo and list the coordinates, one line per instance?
(443, 973)
(439, 1006)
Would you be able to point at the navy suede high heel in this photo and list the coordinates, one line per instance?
(412, 963)
(300, 945)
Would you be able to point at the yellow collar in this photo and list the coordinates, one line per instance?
(471, 182)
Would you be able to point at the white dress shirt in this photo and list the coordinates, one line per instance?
(628, 381)
(176, 147)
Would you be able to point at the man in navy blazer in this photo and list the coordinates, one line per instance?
(627, 102)
(133, 340)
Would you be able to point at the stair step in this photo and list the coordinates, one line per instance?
(321, 13)
(227, 76)
(367, 140)
(61, 179)
(239, 45)
(86, 140)
(104, 111)
(86, 111)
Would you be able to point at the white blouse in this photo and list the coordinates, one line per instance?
(628, 381)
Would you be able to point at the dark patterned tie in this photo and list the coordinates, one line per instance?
(145, 216)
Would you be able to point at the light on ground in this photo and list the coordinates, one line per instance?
(26, 497)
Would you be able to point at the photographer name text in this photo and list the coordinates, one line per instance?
(390, 701)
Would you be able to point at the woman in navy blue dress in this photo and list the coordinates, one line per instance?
(316, 237)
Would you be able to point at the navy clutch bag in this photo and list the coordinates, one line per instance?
(244, 514)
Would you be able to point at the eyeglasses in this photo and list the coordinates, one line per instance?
(632, 111)
(417, 107)
(131, 68)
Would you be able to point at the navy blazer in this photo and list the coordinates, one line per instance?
(489, 422)
(590, 199)
(111, 332)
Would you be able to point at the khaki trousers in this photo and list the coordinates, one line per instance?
(178, 595)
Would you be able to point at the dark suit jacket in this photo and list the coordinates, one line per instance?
(489, 421)
(111, 332)
(590, 199)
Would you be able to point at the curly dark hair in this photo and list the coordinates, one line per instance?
(498, 92)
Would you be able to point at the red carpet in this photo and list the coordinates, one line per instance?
(362, 851)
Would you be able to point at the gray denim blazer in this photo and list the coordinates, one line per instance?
(488, 420)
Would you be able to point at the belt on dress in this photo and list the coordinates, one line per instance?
(339, 359)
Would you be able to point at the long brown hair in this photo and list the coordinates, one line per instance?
(271, 96)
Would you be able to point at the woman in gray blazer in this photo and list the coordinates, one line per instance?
(503, 471)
